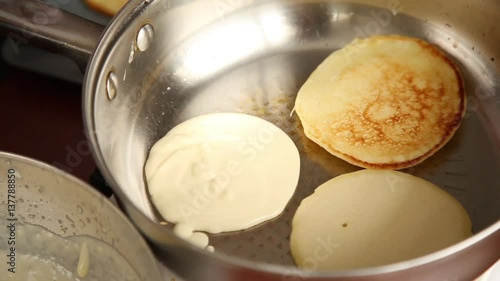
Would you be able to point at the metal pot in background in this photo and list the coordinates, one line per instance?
(161, 62)
(41, 195)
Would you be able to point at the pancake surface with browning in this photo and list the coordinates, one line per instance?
(108, 7)
(386, 102)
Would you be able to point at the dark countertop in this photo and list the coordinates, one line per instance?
(41, 118)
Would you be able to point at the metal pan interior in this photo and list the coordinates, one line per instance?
(253, 59)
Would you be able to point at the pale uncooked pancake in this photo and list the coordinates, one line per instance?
(222, 172)
(385, 102)
(372, 218)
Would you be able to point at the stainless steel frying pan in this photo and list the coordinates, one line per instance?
(161, 62)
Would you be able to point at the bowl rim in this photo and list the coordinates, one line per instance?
(45, 167)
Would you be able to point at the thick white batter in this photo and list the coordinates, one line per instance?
(222, 172)
(44, 256)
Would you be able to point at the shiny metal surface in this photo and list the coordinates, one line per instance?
(66, 206)
(252, 57)
(48, 26)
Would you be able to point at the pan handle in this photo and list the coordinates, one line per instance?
(49, 27)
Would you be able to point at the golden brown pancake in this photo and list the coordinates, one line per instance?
(386, 102)
(108, 7)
